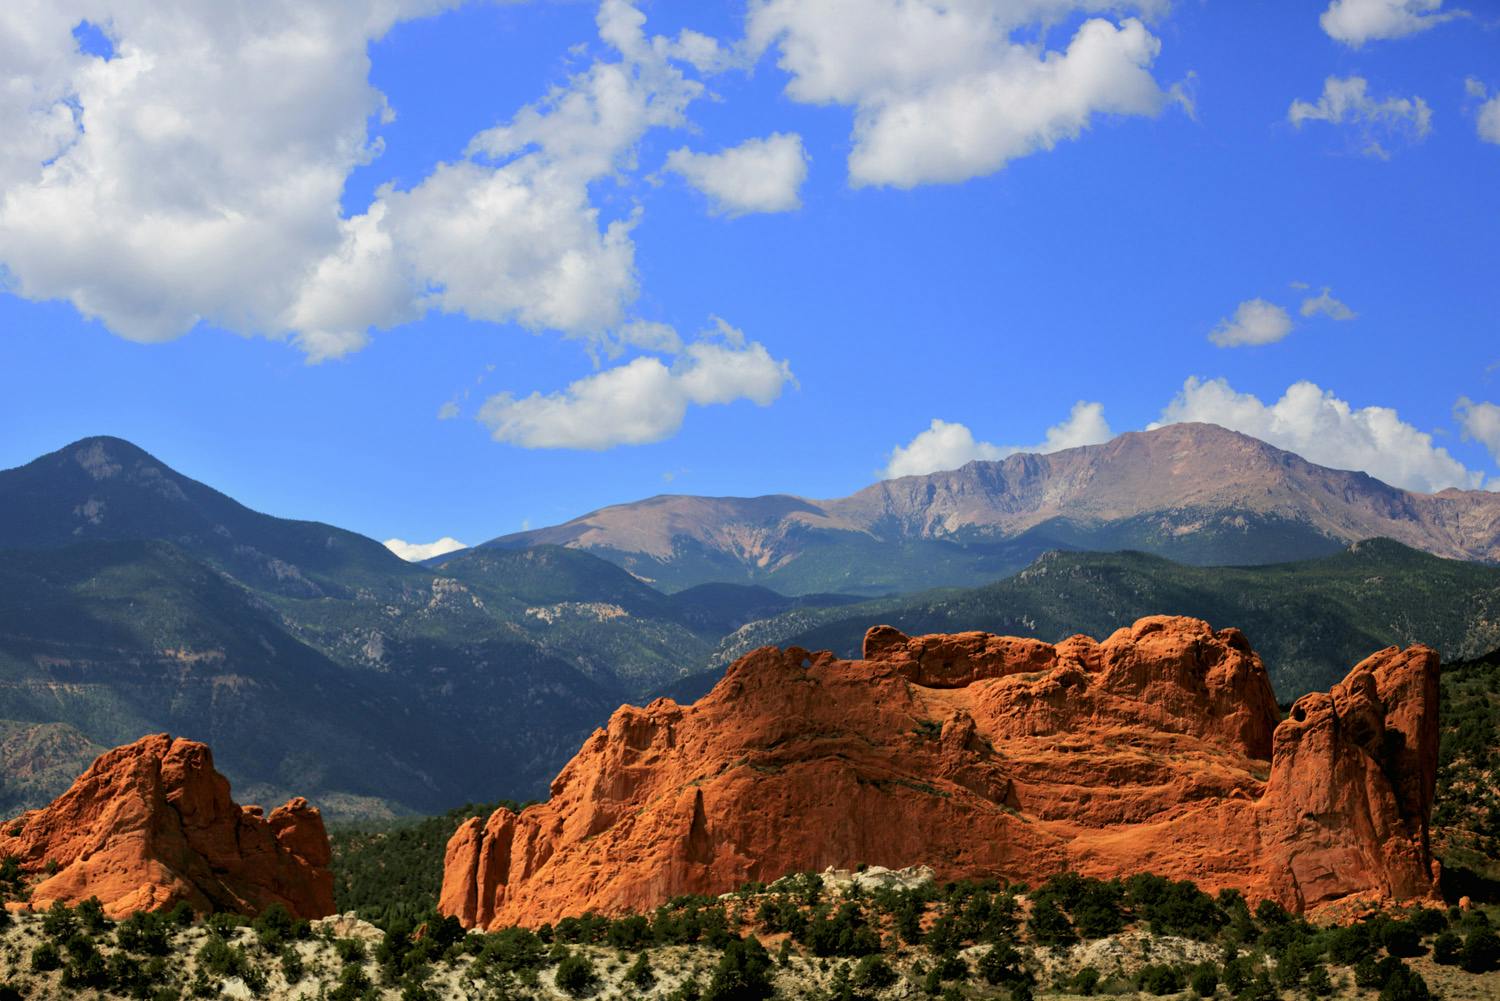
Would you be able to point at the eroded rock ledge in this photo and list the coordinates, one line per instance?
(151, 824)
(1159, 749)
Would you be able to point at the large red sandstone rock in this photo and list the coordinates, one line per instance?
(150, 824)
(1157, 750)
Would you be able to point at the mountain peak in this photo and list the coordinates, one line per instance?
(106, 489)
(1192, 492)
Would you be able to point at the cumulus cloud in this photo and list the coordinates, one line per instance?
(642, 401)
(1355, 22)
(1254, 322)
(1487, 121)
(415, 552)
(945, 91)
(1347, 101)
(758, 175)
(646, 335)
(1324, 304)
(196, 174)
(1480, 422)
(1324, 429)
(949, 445)
(509, 233)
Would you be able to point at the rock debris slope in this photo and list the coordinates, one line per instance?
(1160, 749)
(151, 824)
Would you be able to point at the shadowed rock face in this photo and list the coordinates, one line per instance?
(1158, 749)
(151, 823)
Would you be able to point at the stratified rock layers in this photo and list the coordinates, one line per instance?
(151, 824)
(1158, 750)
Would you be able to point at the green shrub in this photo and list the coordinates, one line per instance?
(1481, 952)
(1318, 983)
(222, 959)
(90, 914)
(45, 957)
(1205, 980)
(1175, 908)
(354, 985)
(1373, 974)
(1348, 945)
(874, 972)
(743, 973)
(1428, 920)
(224, 922)
(640, 975)
(1259, 988)
(350, 950)
(633, 932)
(1401, 938)
(1447, 948)
(59, 924)
(1049, 925)
(1004, 965)
(86, 968)
(951, 966)
(1086, 981)
(1404, 985)
(145, 933)
(576, 974)
(512, 949)
(275, 926)
(291, 964)
(844, 933)
(1159, 979)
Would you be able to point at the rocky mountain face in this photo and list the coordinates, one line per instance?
(1160, 749)
(108, 490)
(152, 824)
(1196, 493)
(138, 600)
(1308, 620)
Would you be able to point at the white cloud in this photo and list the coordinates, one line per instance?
(947, 445)
(1480, 422)
(1346, 101)
(1326, 305)
(1324, 429)
(945, 91)
(1355, 22)
(1254, 322)
(641, 401)
(414, 552)
(196, 176)
(510, 233)
(197, 173)
(647, 335)
(1488, 121)
(758, 175)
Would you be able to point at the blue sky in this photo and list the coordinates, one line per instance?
(322, 258)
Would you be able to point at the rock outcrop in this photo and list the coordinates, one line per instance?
(151, 824)
(1160, 749)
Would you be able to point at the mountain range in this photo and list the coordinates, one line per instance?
(1194, 493)
(134, 600)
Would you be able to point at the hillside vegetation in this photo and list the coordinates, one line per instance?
(1310, 621)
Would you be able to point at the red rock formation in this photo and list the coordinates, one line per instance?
(1156, 750)
(150, 824)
